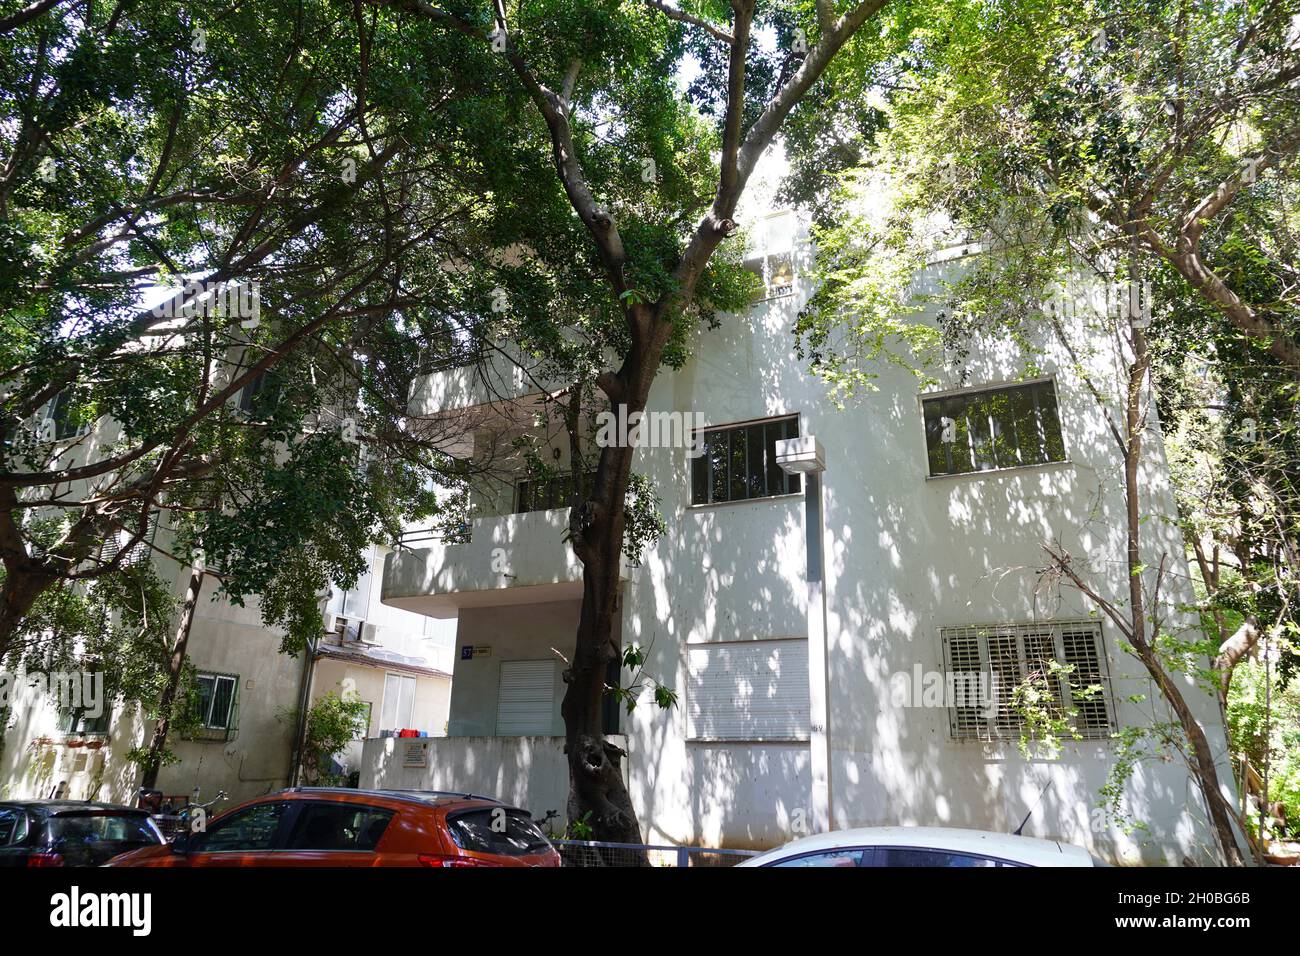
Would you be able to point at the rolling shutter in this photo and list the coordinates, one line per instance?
(526, 698)
(750, 690)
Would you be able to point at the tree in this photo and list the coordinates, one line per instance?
(287, 153)
(332, 722)
(655, 211)
(284, 158)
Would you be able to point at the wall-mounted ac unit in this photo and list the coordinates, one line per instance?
(330, 622)
(369, 633)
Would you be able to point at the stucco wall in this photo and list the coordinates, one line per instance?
(906, 555)
(527, 772)
(525, 632)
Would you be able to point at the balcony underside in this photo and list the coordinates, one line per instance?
(449, 605)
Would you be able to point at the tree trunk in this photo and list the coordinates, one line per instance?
(598, 796)
(1202, 759)
(1206, 773)
(23, 585)
(153, 761)
(1231, 651)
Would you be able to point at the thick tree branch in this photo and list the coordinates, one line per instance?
(681, 16)
(31, 12)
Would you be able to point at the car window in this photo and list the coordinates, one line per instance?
(918, 856)
(251, 829)
(13, 825)
(338, 826)
(840, 858)
(96, 826)
(497, 830)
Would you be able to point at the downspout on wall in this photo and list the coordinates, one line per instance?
(304, 695)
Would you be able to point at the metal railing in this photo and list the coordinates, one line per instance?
(589, 853)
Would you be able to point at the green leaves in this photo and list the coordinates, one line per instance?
(332, 722)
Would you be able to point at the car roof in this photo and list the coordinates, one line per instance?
(1003, 846)
(56, 807)
(440, 798)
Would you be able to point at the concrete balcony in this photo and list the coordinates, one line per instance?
(509, 559)
(448, 406)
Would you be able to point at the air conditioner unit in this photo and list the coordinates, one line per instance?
(330, 622)
(369, 633)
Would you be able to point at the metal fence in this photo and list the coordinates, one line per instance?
(596, 853)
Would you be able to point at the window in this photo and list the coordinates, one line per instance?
(988, 663)
(828, 858)
(532, 494)
(497, 830)
(339, 826)
(354, 603)
(993, 428)
(363, 725)
(918, 856)
(739, 463)
(747, 690)
(771, 255)
(252, 829)
(399, 702)
(261, 394)
(216, 703)
(13, 826)
(102, 826)
(76, 721)
(60, 413)
(526, 698)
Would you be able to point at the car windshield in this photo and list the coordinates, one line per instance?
(497, 830)
(102, 827)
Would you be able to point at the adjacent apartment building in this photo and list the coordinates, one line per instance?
(250, 694)
(937, 503)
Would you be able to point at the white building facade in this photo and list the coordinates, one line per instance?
(937, 504)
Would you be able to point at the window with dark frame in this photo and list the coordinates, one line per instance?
(60, 413)
(261, 395)
(987, 429)
(534, 494)
(215, 705)
(78, 721)
(739, 463)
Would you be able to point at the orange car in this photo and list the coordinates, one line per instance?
(308, 826)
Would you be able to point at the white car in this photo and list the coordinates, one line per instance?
(922, 846)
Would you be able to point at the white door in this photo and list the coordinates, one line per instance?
(526, 698)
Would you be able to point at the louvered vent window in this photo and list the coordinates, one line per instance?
(1002, 657)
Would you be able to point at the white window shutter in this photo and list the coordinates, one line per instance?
(526, 698)
(748, 690)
